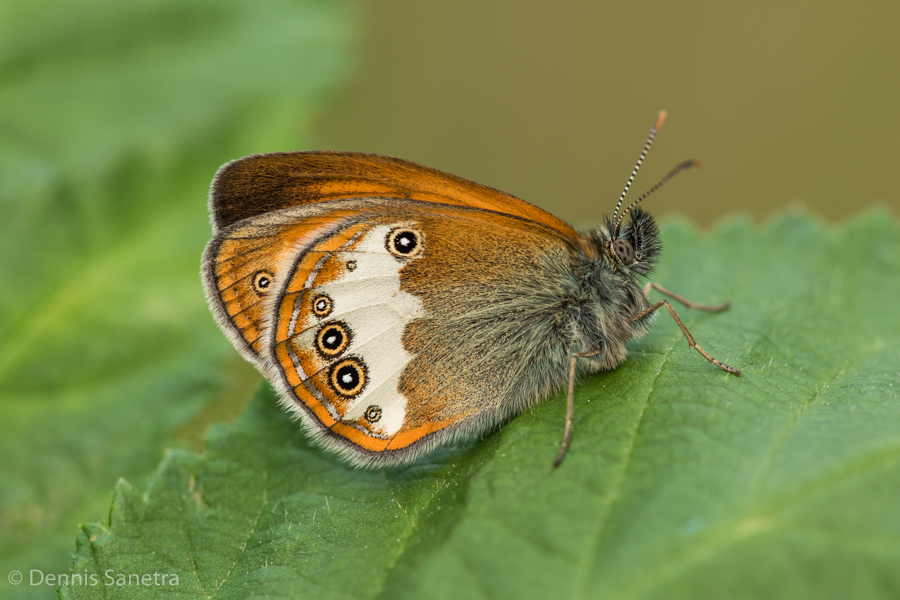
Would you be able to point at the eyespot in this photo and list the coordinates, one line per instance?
(322, 305)
(348, 377)
(333, 339)
(373, 414)
(351, 265)
(623, 250)
(262, 282)
(403, 242)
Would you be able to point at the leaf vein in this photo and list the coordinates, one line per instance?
(596, 538)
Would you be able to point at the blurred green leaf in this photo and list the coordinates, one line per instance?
(681, 482)
(114, 117)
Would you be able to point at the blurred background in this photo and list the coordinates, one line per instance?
(115, 115)
(782, 102)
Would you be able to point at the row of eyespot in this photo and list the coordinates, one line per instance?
(348, 377)
(401, 242)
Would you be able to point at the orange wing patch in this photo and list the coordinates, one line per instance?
(261, 183)
(250, 264)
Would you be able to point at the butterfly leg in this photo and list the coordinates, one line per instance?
(570, 406)
(693, 344)
(685, 301)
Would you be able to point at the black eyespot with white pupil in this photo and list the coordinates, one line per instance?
(348, 377)
(262, 282)
(322, 305)
(373, 414)
(404, 242)
(333, 339)
(623, 250)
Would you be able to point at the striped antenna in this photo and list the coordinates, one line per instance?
(688, 164)
(659, 121)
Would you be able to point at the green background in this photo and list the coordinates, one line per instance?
(114, 117)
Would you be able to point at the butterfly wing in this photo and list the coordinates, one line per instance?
(391, 325)
(261, 183)
(243, 266)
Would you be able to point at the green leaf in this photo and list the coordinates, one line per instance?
(115, 117)
(681, 481)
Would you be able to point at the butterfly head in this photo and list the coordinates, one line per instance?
(635, 245)
(632, 246)
(614, 260)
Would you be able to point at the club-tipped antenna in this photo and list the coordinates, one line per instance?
(656, 125)
(688, 164)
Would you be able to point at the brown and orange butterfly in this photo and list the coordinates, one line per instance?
(397, 308)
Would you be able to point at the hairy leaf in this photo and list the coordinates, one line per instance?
(681, 482)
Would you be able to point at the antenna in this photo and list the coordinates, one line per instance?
(688, 164)
(659, 121)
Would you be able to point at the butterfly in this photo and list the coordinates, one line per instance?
(397, 308)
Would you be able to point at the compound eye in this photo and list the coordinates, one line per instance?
(624, 251)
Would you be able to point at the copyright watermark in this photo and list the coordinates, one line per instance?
(108, 578)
